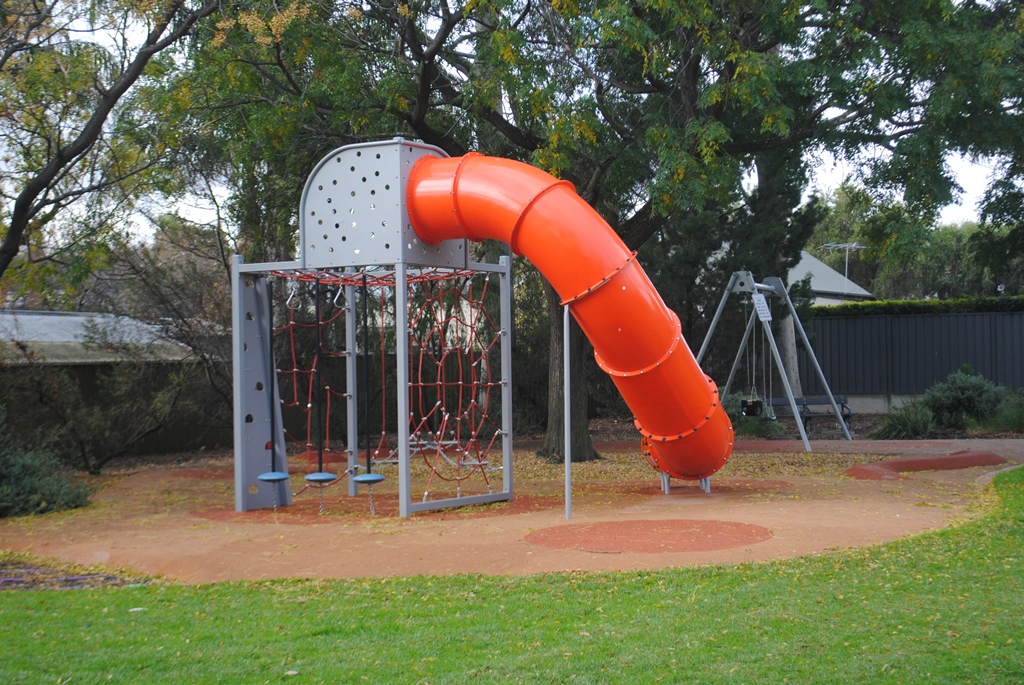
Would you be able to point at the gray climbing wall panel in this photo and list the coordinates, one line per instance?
(257, 401)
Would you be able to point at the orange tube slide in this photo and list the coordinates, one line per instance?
(637, 339)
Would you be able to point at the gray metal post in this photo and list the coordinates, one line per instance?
(402, 378)
(785, 384)
(718, 315)
(567, 410)
(505, 280)
(351, 387)
(237, 318)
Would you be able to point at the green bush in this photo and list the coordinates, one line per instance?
(1009, 418)
(33, 480)
(749, 426)
(962, 398)
(911, 421)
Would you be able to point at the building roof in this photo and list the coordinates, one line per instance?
(70, 338)
(829, 286)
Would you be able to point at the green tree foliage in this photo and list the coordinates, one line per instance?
(74, 141)
(999, 250)
(905, 256)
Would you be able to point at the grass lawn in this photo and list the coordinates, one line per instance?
(944, 607)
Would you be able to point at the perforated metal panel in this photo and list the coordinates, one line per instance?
(257, 402)
(353, 210)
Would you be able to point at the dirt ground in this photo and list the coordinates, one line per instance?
(771, 501)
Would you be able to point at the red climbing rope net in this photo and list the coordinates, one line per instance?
(454, 371)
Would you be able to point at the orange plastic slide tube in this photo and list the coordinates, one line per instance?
(637, 339)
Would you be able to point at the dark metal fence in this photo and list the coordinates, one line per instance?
(905, 355)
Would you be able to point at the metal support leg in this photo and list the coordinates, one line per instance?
(785, 385)
(402, 378)
(718, 315)
(777, 285)
(505, 279)
(567, 409)
(351, 387)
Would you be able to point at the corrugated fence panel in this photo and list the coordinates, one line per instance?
(822, 337)
(848, 350)
(904, 359)
(877, 355)
(1009, 349)
(942, 345)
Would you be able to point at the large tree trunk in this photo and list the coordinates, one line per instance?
(787, 350)
(554, 440)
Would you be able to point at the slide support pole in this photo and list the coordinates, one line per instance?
(567, 409)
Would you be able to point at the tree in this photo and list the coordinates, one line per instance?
(907, 256)
(892, 237)
(657, 112)
(180, 282)
(64, 70)
(998, 248)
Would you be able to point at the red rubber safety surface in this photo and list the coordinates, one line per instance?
(893, 469)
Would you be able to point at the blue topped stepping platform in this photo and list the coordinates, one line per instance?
(321, 477)
(368, 478)
(273, 476)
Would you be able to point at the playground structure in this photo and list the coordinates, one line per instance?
(743, 283)
(395, 210)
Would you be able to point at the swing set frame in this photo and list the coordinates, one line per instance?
(743, 282)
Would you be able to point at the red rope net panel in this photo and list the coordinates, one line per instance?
(454, 373)
(312, 345)
(455, 380)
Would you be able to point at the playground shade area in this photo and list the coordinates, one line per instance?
(179, 522)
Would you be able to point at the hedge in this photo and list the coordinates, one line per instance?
(966, 305)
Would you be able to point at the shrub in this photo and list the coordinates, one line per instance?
(963, 397)
(33, 480)
(1010, 417)
(750, 426)
(757, 427)
(911, 421)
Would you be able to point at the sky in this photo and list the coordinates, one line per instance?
(972, 176)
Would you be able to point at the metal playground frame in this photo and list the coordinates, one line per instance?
(353, 223)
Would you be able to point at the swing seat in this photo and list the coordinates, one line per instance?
(752, 407)
(368, 478)
(320, 478)
(273, 476)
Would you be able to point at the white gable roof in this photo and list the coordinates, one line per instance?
(829, 286)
